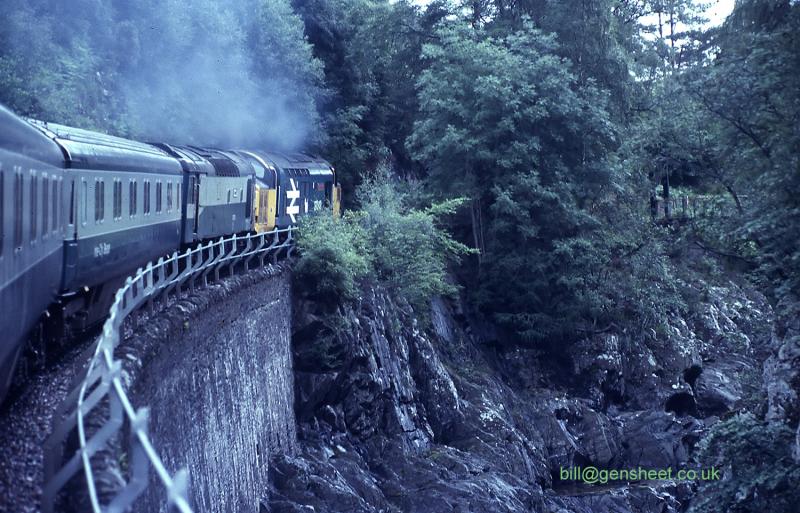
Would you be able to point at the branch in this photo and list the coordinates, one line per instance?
(736, 124)
(724, 253)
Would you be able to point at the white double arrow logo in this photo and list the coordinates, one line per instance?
(293, 195)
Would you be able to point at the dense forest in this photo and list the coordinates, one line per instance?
(531, 141)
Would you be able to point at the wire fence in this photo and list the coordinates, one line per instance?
(101, 384)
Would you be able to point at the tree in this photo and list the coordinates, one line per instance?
(504, 121)
(371, 53)
(751, 91)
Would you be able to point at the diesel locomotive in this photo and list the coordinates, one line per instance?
(81, 210)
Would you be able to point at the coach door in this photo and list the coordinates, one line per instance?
(192, 208)
(196, 200)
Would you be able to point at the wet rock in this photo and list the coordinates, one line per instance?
(637, 499)
(442, 418)
(438, 393)
(796, 451)
(657, 439)
(578, 435)
(315, 482)
(718, 388)
(600, 362)
(387, 426)
(782, 380)
(659, 369)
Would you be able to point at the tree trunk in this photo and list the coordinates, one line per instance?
(672, 36)
(734, 196)
(477, 227)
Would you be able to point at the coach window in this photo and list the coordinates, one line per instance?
(18, 198)
(18, 210)
(58, 184)
(99, 200)
(132, 198)
(147, 197)
(34, 206)
(85, 202)
(72, 212)
(96, 200)
(169, 197)
(117, 200)
(159, 192)
(45, 205)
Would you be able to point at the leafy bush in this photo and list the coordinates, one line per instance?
(409, 251)
(400, 246)
(759, 473)
(335, 256)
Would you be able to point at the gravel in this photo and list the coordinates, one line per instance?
(25, 424)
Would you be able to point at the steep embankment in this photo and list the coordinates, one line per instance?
(215, 369)
(392, 417)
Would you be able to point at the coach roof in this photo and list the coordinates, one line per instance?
(18, 136)
(86, 149)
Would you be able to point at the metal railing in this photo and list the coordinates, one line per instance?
(102, 379)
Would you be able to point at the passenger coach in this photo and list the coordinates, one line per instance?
(31, 233)
(82, 210)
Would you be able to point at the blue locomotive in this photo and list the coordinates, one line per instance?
(81, 210)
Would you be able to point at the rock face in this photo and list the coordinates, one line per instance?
(396, 418)
(215, 368)
(703, 365)
(782, 370)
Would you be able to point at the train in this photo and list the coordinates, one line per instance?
(81, 210)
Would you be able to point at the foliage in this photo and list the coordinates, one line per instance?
(753, 90)
(725, 122)
(402, 247)
(506, 122)
(371, 53)
(410, 251)
(336, 256)
(755, 459)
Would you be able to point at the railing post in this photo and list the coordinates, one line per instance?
(275, 248)
(290, 242)
(262, 252)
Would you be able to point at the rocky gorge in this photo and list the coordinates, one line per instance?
(397, 414)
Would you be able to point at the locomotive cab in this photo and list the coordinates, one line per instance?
(306, 186)
(265, 192)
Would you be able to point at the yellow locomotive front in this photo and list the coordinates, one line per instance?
(289, 186)
(265, 208)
